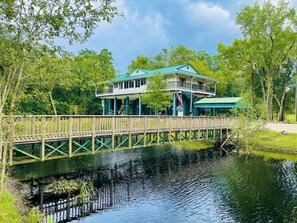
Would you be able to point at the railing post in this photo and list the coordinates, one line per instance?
(169, 126)
(70, 128)
(221, 131)
(144, 131)
(158, 130)
(180, 128)
(43, 132)
(130, 132)
(190, 130)
(113, 134)
(207, 123)
(93, 135)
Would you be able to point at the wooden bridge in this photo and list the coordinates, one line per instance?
(40, 138)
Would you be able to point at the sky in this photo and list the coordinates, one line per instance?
(151, 25)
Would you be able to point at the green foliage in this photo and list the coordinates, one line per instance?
(246, 126)
(26, 64)
(34, 216)
(196, 145)
(274, 145)
(8, 210)
(266, 53)
(63, 186)
(50, 219)
(86, 191)
(66, 85)
(204, 63)
(156, 96)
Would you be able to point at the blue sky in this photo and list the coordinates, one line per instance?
(151, 25)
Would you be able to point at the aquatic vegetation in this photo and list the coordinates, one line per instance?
(62, 186)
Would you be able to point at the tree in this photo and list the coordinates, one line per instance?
(142, 62)
(269, 43)
(24, 25)
(156, 97)
(180, 55)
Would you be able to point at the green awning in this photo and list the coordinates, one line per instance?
(233, 102)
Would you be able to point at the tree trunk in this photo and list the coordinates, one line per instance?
(281, 115)
(3, 170)
(270, 111)
(252, 90)
(53, 103)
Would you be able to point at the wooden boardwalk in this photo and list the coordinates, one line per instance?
(39, 138)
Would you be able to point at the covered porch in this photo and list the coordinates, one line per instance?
(133, 105)
(217, 106)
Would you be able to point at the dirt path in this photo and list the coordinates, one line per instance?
(279, 127)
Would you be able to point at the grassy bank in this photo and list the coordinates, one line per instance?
(8, 209)
(274, 145)
(194, 144)
(275, 141)
(12, 209)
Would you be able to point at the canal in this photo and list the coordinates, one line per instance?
(164, 184)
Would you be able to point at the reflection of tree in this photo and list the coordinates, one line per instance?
(254, 190)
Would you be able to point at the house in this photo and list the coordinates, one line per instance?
(123, 95)
(215, 106)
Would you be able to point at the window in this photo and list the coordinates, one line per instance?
(115, 85)
(143, 81)
(183, 81)
(137, 83)
(131, 84)
(200, 83)
(120, 85)
(126, 84)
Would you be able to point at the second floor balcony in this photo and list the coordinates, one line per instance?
(171, 85)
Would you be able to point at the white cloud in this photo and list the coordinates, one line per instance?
(204, 12)
(128, 37)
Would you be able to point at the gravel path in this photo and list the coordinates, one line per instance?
(279, 127)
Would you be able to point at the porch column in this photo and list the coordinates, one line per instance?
(109, 106)
(115, 106)
(104, 106)
(139, 100)
(191, 102)
(174, 105)
(127, 106)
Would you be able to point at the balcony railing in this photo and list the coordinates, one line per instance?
(173, 84)
(187, 86)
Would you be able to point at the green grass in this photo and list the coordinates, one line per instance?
(274, 155)
(273, 145)
(274, 140)
(291, 118)
(194, 144)
(12, 211)
(8, 209)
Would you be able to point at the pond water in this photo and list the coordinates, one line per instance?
(166, 185)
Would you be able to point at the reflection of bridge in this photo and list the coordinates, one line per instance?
(39, 138)
(118, 186)
(69, 207)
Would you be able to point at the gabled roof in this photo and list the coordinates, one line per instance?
(185, 69)
(230, 102)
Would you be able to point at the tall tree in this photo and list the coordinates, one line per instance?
(156, 97)
(25, 24)
(269, 42)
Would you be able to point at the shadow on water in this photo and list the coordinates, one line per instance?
(166, 185)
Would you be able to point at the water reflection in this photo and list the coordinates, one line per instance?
(171, 185)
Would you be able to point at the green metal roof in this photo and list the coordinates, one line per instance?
(231, 102)
(162, 71)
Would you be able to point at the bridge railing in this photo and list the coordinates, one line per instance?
(38, 127)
